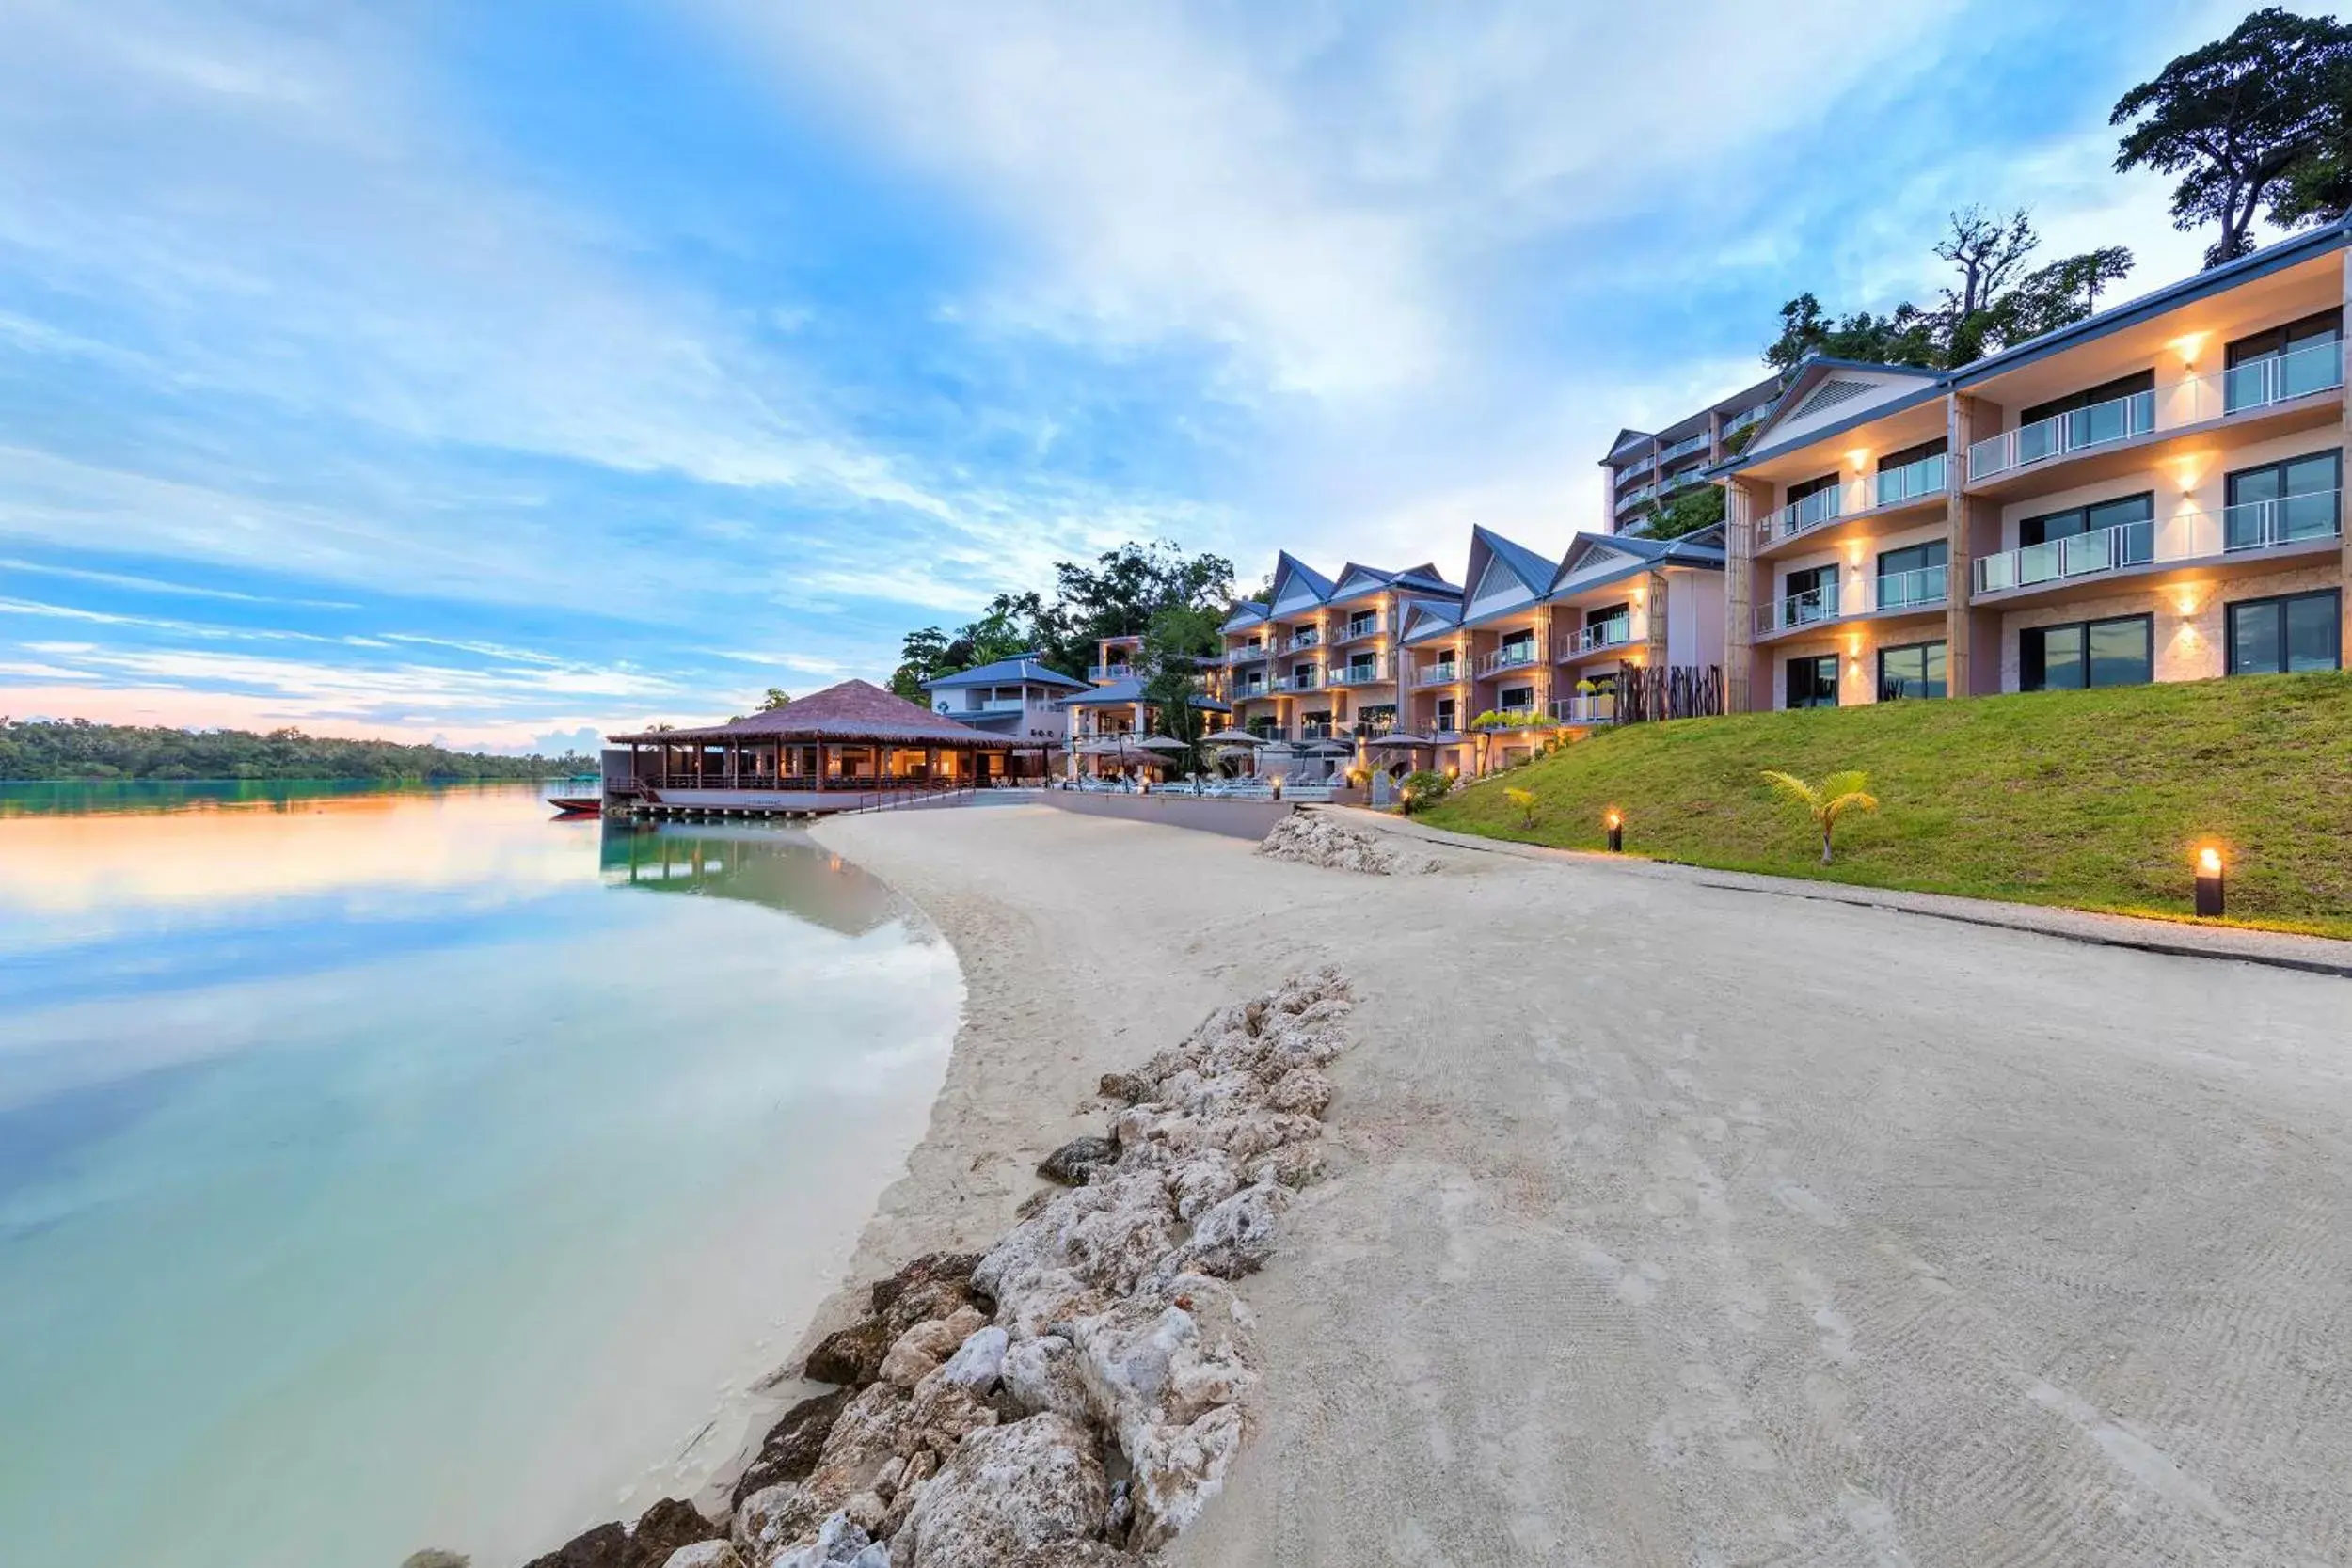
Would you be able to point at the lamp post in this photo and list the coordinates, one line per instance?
(2209, 893)
(1614, 822)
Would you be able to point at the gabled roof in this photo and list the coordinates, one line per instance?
(853, 711)
(1126, 693)
(1019, 670)
(1430, 618)
(1589, 552)
(1356, 578)
(1817, 385)
(1292, 574)
(1426, 578)
(1496, 564)
(1244, 613)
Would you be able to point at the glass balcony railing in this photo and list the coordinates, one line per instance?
(1798, 609)
(2241, 389)
(1511, 656)
(1926, 477)
(1444, 673)
(2286, 520)
(1921, 589)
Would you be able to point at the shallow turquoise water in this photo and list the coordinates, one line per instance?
(389, 1170)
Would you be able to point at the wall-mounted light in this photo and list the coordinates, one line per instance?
(1858, 457)
(2188, 346)
(2209, 899)
(1614, 822)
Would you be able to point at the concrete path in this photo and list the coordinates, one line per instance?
(1674, 1225)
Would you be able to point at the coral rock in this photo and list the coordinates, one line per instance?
(1178, 1470)
(850, 1356)
(1007, 1490)
(1236, 1237)
(1073, 1162)
(705, 1554)
(918, 1352)
(841, 1542)
(790, 1451)
(978, 1361)
(774, 1520)
(1042, 1374)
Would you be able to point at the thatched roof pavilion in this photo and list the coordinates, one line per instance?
(851, 736)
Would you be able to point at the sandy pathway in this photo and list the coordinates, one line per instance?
(1673, 1225)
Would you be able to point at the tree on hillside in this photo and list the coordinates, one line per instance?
(2257, 120)
(777, 697)
(1179, 639)
(921, 657)
(1991, 307)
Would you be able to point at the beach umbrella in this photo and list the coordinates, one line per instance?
(1232, 737)
(1403, 740)
(1331, 749)
(1161, 743)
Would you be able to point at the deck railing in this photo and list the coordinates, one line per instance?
(1444, 673)
(2241, 389)
(1511, 656)
(2313, 516)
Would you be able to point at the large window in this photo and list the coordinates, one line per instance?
(1812, 501)
(2300, 632)
(1916, 671)
(1449, 716)
(2107, 412)
(1915, 575)
(2281, 502)
(1516, 699)
(2284, 362)
(1810, 595)
(2119, 652)
(1813, 681)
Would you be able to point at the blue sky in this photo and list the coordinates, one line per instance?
(498, 372)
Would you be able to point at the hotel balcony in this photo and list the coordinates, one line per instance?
(1109, 671)
(1444, 673)
(1675, 484)
(1894, 593)
(1684, 447)
(1311, 637)
(2249, 537)
(1599, 707)
(1511, 656)
(1356, 632)
(2264, 397)
(1362, 672)
(1618, 631)
(1246, 656)
(1633, 498)
(1641, 465)
(1312, 681)
(1245, 690)
(1859, 500)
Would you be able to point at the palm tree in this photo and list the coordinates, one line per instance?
(1836, 794)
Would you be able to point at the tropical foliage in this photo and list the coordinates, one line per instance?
(1118, 596)
(77, 749)
(1523, 800)
(1829, 799)
(1423, 788)
(2258, 123)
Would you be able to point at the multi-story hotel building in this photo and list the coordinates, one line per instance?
(1318, 661)
(2152, 494)
(1646, 470)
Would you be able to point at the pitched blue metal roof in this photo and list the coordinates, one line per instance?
(1128, 692)
(1531, 568)
(1021, 669)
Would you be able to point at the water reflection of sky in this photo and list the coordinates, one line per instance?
(306, 1112)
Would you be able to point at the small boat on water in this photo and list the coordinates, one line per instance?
(582, 795)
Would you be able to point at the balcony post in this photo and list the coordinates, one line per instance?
(2343, 526)
(1745, 504)
(1653, 624)
(1972, 638)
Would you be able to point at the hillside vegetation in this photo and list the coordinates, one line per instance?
(77, 749)
(2092, 799)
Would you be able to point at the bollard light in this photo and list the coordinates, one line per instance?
(1614, 822)
(2209, 883)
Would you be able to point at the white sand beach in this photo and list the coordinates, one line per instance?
(1670, 1224)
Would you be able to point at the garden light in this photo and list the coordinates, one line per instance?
(1614, 822)
(2208, 883)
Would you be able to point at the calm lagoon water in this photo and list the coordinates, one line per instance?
(385, 1170)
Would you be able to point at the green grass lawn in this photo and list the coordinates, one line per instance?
(2091, 799)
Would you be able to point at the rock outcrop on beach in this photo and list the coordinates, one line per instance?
(1316, 838)
(1075, 1395)
(654, 1541)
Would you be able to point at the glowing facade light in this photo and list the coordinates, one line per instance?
(1614, 822)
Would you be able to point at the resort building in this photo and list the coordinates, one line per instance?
(1314, 672)
(1646, 470)
(2152, 494)
(846, 746)
(1621, 627)
(1110, 725)
(1018, 698)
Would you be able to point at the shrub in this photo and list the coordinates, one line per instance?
(1424, 788)
(1525, 800)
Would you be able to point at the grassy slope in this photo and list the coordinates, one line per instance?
(2091, 799)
